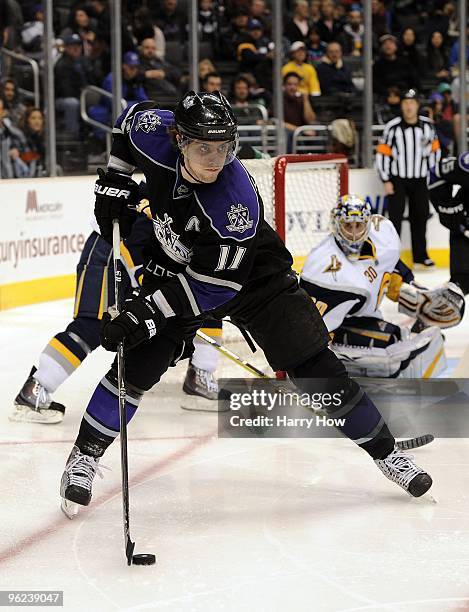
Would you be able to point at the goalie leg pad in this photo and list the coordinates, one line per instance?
(420, 356)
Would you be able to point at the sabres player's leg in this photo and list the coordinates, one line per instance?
(200, 376)
(67, 350)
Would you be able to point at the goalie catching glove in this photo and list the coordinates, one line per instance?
(117, 196)
(442, 306)
(140, 320)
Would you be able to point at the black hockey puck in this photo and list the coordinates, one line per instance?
(144, 559)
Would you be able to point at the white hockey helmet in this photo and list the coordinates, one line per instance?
(351, 220)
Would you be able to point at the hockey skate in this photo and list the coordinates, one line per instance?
(75, 486)
(33, 404)
(399, 467)
(202, 386)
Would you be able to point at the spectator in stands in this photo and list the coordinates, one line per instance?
(257, 92)
(35, 153)
(172, 21)
(208, 22)
(297, 109)
(391, 69)
(329, 28)
(144, 28)
(100, 13)
(206, 66)
(32, 33)
(343, 137)
(437, 56)
(14, 107)
(454, 53)
(315, 12)
(159, 77)
(72, 74)
(234, 33)
(439, 17)
(81, 23)
(316, 48)
(12, 144)
(99, 59)
(253, 47)
(239, 95)
(408, 49)
(211, 82)
(450, 110)
(298, 27)
(351, 37)
(380, 20)
(444, 128)
(132, 90)
(391, 108)
(258, 10)
(334, 76)
(309, 83)
(455, 87)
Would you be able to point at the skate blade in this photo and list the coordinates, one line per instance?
(24, 414)
(69, 508)
(202, 404)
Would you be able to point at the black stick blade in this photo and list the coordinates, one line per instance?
(415, 442)
(129, 550)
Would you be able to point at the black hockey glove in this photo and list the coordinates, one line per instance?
(114, 194)
(140, 320)
(453, 216)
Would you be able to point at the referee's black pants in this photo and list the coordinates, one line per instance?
(417, 193)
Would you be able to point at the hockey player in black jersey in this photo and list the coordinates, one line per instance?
(448, 185)
(213, 252)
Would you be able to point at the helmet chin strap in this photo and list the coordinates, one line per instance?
(183, 164)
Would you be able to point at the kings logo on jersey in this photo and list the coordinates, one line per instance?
(333, 267)
(169, 240)
(238, 216)
(148, 122)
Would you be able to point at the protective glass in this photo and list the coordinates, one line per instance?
(208, 154)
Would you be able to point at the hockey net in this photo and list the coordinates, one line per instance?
(298, 192)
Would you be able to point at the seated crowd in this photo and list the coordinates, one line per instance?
(414, 43)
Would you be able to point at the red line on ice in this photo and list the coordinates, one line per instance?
(27, 542)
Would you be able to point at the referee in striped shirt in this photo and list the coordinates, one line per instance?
(408, 148)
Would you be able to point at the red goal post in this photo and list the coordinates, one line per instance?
(299, 192)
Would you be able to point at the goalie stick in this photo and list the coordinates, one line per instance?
(408, 444)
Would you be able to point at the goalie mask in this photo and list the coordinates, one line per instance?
(351, 220)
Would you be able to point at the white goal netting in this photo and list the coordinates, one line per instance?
(299, 192)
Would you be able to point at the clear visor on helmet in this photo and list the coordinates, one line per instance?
(209, 154)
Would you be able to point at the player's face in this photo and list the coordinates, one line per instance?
(205, 160)
(353, 230)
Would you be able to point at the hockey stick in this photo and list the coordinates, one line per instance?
(142, 559)
(409, 444)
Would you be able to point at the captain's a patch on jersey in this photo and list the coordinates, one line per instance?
(148, 122)
(238, 216)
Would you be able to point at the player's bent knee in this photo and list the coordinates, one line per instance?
(330, 370)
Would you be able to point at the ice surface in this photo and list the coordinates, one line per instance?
(261, 525)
